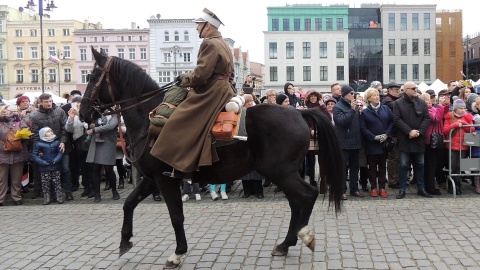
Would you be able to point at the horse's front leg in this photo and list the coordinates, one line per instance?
(141, 191)
(170, 189)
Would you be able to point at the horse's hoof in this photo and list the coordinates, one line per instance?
(279, 252)
(311, 245)
(170, 265)
(125, 248)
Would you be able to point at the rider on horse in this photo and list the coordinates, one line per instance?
(211, 88)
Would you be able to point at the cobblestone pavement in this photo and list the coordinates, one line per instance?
(371, 233)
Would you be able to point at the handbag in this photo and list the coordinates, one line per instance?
(81, 143)
(436, 140)
(11, 144)
(226, 126)
(388, 144)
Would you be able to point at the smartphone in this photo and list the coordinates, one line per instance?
(75, 105)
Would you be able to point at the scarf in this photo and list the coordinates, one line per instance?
(458, 115)
(376, 108)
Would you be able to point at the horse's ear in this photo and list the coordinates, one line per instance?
(99, 58)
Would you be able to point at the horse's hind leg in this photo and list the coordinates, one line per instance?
(141, 191)
(301, 198)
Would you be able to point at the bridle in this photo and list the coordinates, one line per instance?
(100, 107)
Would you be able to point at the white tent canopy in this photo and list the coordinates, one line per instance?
(438, 85)
(34, 95)
(423, 86)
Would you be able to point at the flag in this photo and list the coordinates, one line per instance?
(25, 179)
(54, 59)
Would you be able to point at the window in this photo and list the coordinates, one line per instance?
(415, 46)
(120, 38)
(391, 21)
(426, 46)
(33, 32)
(403, 72)
(308, 24)
(167, 58)
(186, 37)
(289, 50)
(66, 32)
(340, 49)
(426, 72)
(391, 47)
(403, 46)
(131, 53)
(164, 76)
(66, 52)
(167, 36)
(84, 39)
(340, 73)
(414, 21)
(275, 25)
(121, 53)
(2, 72)
(1, 28)
(426, 21)
(83, 54)
(19, 52)
(391, 72)
(18, 33)
(339, 23)
(323, 49)
(307, 52)
(403, 21)
(19, 73)
(142, 38)
(52, 50)
(1, 51)
(143, 53)
(318, 24)
(296, 24)
(105, 51)
(272, 50)
(52, 75)
(307, 73)
(84, 75)
(34, 52)
(186, 57)
(290, 73)
(329, 22)
(273, 74)
(67, 75)
(177, 36)
(51, 32)
(286, 25)
(323, 73)
(34, 76)
(415, 71)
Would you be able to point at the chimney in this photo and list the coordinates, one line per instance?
(134, 25)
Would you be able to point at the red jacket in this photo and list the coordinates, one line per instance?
(467, 119)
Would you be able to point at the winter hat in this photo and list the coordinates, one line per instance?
(19, 99)
(77, 99)
(459, 103)
(470, 103)
(476, 119)
(281, 98)
(285, 87)
(75, 92)
(330, 100)
(346, 90)
(42, 133)
(375, 84)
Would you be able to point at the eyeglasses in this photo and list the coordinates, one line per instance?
(413, 88)
(352, 93)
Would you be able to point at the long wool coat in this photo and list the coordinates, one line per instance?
(104, 152)
(186, 142)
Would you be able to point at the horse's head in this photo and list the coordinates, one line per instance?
(97, 92)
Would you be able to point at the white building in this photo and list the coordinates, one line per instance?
(174, 45)
(409, 42)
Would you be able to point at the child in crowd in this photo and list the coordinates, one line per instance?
(50, 163)
(187, 190)
(476, 153)
(223, 192)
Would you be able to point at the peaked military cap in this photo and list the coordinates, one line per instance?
(210, 17)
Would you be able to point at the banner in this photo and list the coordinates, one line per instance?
(54, 59)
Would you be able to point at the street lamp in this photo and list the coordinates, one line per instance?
(50, 7)
(175, 50)
(467, 51)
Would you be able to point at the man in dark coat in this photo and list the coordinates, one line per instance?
(411, 119)
(186, 141)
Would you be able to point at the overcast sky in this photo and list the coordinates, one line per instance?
(244, 20)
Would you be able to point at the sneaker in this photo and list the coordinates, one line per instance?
(198, 197)
(214, 195)
(374, 193)
(185, 198)
(383, 193)
(224, 195)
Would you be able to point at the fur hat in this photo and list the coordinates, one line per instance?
(459, 103)
(346, 90)
(281, 98)
(19, 100)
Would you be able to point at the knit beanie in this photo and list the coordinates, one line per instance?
(330, 100)
(346, 90)
(19, 99)
(459, 103)
(281, 98)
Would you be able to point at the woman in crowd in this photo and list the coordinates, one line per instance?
(11, 162)
(376, 124)
(330, 103)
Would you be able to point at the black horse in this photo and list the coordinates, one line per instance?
(278, 140)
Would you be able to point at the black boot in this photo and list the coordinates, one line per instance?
(107, 185)
(121, 183)
(85, 192)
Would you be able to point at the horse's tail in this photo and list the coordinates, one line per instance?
(330, 156)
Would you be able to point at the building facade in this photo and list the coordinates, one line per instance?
(131, 44)
(409, 38)
(471, 65)
(449, 44)
(307, 46)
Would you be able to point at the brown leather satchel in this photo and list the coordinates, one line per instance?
(11, 144)
(226, 126)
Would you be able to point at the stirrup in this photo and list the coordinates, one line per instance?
(177, 174)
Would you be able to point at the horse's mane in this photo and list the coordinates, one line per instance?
(131, 75)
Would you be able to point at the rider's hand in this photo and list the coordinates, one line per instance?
(178, 79)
